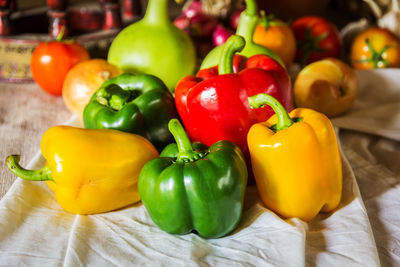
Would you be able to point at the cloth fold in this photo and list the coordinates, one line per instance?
(35, 230)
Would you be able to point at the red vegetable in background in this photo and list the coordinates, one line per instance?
(51, 61)
(220, 35)
(234, 19)
(195, 21)
(192, 9)
(316, 38)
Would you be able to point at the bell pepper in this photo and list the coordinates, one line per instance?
(213, 106)
(247, 24)
(90, 171)
(139, 104)
(200, 190)
(296, 161)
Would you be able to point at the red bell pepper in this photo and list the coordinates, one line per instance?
(214, 106)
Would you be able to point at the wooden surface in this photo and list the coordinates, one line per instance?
(25, 113)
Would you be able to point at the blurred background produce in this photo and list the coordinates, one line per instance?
(208, 23)
(83, 80)
(329, 86)
(374, 48)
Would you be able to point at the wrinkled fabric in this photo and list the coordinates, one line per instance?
(34, 230)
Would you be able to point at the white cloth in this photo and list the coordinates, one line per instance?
(35, 231)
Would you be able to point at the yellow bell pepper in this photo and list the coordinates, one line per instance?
(90, 171)
(296, 161)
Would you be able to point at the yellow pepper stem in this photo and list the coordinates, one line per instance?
(43, 174)
(260, 100)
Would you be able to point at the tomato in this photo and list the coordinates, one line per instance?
(317, 38)
(375, 48)
(51, 61)
(83, 80)
(277, 36)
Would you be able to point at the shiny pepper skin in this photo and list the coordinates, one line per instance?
(90, 171)
(297, 169)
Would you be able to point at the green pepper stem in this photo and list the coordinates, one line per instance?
(43, 174)
(157, 12)
(260, 100)
(248, 21)
(186, 152)
(234, 44)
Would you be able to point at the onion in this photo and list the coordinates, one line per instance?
(192, 9)
(220, 35)
(182, 23)
(234, 19)
(202, 25)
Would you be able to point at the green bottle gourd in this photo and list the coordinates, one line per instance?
(247, 24)
(154, 46)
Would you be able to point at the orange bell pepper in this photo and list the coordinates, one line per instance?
(296, 161)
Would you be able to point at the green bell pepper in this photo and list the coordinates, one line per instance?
(189, 189)
(139, 104)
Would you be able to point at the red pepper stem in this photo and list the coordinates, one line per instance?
(43, 174)
(248, 21)
(186, 152)
(260, 100)
(234, 44)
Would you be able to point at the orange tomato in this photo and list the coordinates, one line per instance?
(83, 80)
(277, 36)
(375, 48)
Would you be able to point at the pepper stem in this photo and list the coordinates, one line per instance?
(43, 174)
(186, 152)
(234, 44)
(260, 100)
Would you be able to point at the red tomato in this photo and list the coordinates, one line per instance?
(51, 61)
(316, 38)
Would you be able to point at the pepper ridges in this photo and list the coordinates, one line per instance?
(193, 187)
(296, 161)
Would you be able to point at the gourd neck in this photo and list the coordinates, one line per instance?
(157, 12)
